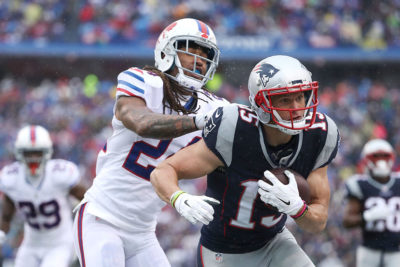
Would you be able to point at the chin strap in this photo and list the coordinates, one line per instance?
(283, 129)
(184, 85)
(189, 82)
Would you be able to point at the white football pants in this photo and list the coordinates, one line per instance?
(367, 257)
(57, 256)
(101, 244)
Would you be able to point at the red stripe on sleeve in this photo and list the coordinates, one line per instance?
(138, 70)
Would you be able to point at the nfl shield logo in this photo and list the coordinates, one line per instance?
(218, 257)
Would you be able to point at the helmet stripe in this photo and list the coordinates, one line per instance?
(33, 135)
(203, 27)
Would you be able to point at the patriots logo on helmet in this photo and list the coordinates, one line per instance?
(266, 72)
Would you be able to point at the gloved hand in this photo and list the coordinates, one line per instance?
(200, 120)
(285, 198)
(378, 212)
(3, 237)
(194, 208)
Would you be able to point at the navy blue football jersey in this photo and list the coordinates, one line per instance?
(242, 222)
(380, 234)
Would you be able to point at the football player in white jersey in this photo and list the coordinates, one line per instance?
(158, 111)
(39, 188)
(373, 203)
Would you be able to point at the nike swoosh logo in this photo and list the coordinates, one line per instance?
(286, 202)
(217, 114)
(186, 203)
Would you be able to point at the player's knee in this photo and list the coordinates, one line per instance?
(105, 254)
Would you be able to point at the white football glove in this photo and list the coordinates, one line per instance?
(195, 208)
(200, 120)
(378, 212)
(285, 198)
(3, 237)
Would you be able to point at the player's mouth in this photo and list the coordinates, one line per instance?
(194, 74)
(297, 118)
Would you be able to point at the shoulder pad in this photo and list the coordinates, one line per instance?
(134, 82)
(353, 186)
(65, 173)
(9, 176)
(326, 126)
(212, 99)
(219, 131)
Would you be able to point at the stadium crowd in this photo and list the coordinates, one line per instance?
(77, 112)
(288, 24)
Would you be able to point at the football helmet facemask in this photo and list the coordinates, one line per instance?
(177, 38)
(277, 76)
(33, 148)
(378, 158)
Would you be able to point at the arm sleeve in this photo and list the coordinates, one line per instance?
(140, 83)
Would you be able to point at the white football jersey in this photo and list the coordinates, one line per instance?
(44, 205)
(121, 192)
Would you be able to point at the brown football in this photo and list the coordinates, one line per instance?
(302, 184)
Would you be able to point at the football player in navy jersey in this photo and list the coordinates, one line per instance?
(240, 144)
(374, 205)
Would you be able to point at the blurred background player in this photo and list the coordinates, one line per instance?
(240, 144)
(119, 212)
(374, 205)
(39, 187)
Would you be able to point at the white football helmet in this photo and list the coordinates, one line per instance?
(279, 75)
(33, 147)
(183, 32)
(378, 157)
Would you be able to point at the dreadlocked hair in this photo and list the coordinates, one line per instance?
(174, 93)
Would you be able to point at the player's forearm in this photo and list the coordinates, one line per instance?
(314, 220)
(159, 126)
(78, 191)
(5, 227)
(6, 221)
(8, 211)
(164, 180)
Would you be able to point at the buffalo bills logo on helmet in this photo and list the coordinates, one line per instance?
(266, 72)
(170, 27)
